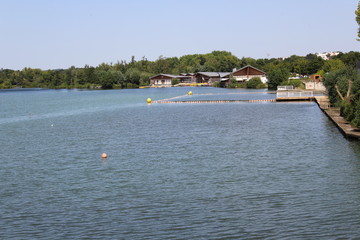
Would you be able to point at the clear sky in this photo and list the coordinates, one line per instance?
(52, 34)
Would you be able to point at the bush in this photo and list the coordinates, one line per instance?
(236, 84)
(216, 84)
(347, 110)
(255, 82)
(297, 83)
(356, 120)
(175, 81)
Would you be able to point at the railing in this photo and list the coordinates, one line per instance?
(285, 88)
(294, 94)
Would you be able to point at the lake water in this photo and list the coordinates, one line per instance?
(174, 171)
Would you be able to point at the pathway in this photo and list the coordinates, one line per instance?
(334, 115)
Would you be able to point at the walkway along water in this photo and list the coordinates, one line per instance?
(334, 115)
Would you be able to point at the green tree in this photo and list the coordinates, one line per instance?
(332, 65)
(132, 76)
(106, 79)
(337, 83)
(343, 87)
(276, 76)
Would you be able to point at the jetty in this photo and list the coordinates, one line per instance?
(294, 96)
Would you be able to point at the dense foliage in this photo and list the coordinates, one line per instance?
(136, 73)
(255, 82)
(343, 87)
(276, 76)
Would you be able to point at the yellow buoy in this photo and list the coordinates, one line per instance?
(148, 100)
(104, 155)
(190, 93)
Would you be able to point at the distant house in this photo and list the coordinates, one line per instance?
(244, 74)
(210, 77)
(187, 78)
(248, 72)
(164, 80)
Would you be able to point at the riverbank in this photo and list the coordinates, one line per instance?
(334, 115)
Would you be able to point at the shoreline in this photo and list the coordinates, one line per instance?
(333, 114)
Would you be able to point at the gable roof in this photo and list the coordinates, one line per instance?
(168, 75)
(249, 67)
(214, 74)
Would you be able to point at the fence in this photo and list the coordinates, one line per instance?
(285, 88)
(294, 94)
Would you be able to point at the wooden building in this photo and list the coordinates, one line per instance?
(188, 78)
(244, 74)
(210, 77)
(248, 72)
(164, 80)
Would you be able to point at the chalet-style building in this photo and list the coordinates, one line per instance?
(248, 72)
(210, 77)
(188, 78)
(164, 80)
(244, 74)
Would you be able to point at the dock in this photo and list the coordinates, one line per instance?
(290, 95)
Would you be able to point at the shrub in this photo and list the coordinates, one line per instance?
(175, 81)
(216, 84)
(297, 83)
(347, 110)
(356, 120)
(236, 84)
(255, 82)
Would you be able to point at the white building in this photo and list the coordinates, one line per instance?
(327, 55)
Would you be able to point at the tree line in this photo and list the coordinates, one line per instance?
(137, 72)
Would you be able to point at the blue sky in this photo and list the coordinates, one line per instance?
(52, 34)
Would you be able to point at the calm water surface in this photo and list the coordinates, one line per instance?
(174, 171)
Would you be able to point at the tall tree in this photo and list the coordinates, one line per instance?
(276, 76)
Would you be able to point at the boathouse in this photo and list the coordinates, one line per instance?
(248, 72)
(164, 80)
(211, 77)
(244, 74)
(188, 78)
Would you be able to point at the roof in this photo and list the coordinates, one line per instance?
(168, 75)
(214, 74)
(250, 67)
(187, 74)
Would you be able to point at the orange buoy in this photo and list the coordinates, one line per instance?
(104, 155)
